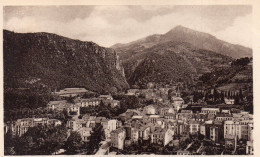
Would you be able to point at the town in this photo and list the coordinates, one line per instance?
(154, 120)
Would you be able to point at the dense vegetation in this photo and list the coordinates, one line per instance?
(40, 140)
(47, 140)
(56, 62)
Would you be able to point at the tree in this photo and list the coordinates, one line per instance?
(9, 142)
(74, 142)
(24, 146)
(97, 135)
(41, 140)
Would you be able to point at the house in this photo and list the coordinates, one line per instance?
(170, 116)
(150, 109)
(154, 118)
(162, 136)
(22, 125)
(177, 102)
(118, 138)
(133, 91)
(144, 132)
(220, 126)
(166, 110)
(183, 152)
(87, 102)
(249, 148)
(57, 105)
(229, 101)
(109, 126)
(200, 117)
(185, 115)
(194, 127)
(85, 133)
(225, 111)
(231, 129)
(73, 109)
(210, 110)
(208, 124)
(214, 136)
(203, 129)
(113, 103)
(106, 97)
(240, 129)
(230, 141)
(224, 117)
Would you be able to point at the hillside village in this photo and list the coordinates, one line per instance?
(160, 122)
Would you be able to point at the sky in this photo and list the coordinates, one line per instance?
(108, 25)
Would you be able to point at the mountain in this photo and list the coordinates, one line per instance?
(56, 62)
(171, 62)
(239, 75)
(180, 54)
(182, 34)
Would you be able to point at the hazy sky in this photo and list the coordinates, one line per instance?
(108, 25)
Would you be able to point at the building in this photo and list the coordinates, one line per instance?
(183, 152)
(240, 129)
(57, 105)
(194, 127)
(229, 101)
(177, 102)
(109, 126)
(185, 115)
(133, 92)
(214, 136)
(118, 138)
(21, 126)
(203, 129)
(150, 110)
(225, 111)
(230, 141)
(106, 97)
(112, 103)
(210, 110)
(85, 133)
(87, 102)
(170, 116)
(162, 136)
(224, 117)
(249, 148)
(71, 92)
(73, 109)
(166, 110)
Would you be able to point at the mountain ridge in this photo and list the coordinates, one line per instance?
(198, 39)
(59, 62)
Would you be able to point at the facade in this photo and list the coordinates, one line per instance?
(71, 92)
(21, 126)
(117, 138)
(106, 97)
(229, 101)
(85, 133)
(57, 105)
(210, 110)
(150, 109)
(177, 102)
(194, 127)
(87, 102)
(214, 134)
(162, 136)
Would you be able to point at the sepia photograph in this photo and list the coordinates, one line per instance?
(128, 80)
